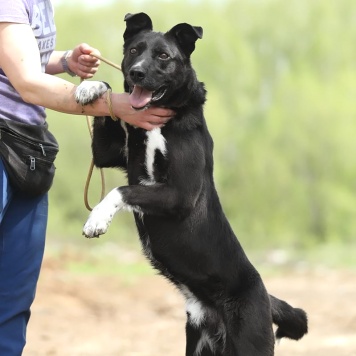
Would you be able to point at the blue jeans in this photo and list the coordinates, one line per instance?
(23, 223)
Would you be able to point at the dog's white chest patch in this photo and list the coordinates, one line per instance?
(155, 141)
(193, 306)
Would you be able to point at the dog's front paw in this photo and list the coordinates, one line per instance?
(100, 218)
(88, 91)
(97, 224)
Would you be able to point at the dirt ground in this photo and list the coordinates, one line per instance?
(96, 315)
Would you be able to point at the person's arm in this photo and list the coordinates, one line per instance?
(55, 65)
(20, 60)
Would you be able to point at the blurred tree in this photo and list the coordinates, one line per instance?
(281, 86)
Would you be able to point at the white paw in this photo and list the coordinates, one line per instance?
(100, 218)
(97, 223)
(88, 91)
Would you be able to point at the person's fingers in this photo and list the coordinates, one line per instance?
(86, 72)
(152, 120)
(159, 120)
(160, 112)
(85, 75)
(84, 58)
(152, 125)
(87, 69)
(88, 60)
(94, 52)
(148, 122)
(86, 49)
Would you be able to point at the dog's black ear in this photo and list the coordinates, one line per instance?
(136, 23)
(186, 36)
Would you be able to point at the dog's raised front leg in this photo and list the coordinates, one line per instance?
(100, 218)
(157, 199)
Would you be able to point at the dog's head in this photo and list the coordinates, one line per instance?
(156, 65)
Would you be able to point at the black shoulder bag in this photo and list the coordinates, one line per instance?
(28, 153)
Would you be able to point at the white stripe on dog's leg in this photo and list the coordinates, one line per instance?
(126, 149)
(100, 218)
(113, 202)
(155, 141)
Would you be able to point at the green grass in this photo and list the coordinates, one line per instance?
(99, 257)
(128, 272)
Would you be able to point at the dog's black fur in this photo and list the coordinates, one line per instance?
(171, 190)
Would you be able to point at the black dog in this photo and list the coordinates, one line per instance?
(171, 191)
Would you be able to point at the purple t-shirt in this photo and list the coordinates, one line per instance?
(39, 15)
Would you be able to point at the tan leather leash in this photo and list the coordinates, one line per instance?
(91, 168)
(112, 64)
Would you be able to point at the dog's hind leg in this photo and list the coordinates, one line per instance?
(203, 341)
(196, 343)
(248, 320)
(205, 330)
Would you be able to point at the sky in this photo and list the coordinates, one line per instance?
(93, 3)
(88, 2)
(98, 3)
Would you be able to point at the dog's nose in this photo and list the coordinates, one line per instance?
(137, 75)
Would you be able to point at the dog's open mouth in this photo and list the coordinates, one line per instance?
(141, 98)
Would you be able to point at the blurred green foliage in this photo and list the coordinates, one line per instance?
(281, 81)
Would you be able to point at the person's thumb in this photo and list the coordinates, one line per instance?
(86, 49)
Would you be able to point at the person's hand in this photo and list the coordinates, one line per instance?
(82, 63)
(147, 119)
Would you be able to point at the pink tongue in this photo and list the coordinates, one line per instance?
(140, 97)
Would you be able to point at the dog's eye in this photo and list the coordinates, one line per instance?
(133, 50)
(163, 56)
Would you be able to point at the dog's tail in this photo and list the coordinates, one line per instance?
(292, 322)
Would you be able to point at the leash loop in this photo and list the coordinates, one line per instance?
(90, 173)
(91, 168)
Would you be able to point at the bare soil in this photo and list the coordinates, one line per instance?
(105, 315)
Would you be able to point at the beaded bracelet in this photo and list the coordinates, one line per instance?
(65, 63)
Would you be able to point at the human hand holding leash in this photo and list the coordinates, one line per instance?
(80, 62)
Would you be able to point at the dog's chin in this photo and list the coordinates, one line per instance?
(139, 95)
